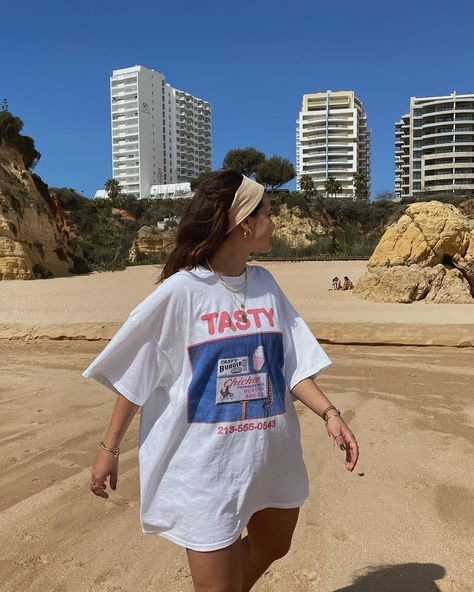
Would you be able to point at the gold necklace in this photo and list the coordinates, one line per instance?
(241, 305)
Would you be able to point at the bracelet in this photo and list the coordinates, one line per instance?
(323, 414)
(114, 451)
(336, 414)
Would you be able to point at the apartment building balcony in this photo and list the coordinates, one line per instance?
(444, 175)
(124, 109)
(429, 187)
(432, 135)
(433, 112)
(127, 160)
(122, 100)
(130, 116)
(440, 144)
(125, 150)
(122, 94)
(115, 82)
(120, 141)
(441, 122)
(133, 171)
(124, 130)
(123, 137)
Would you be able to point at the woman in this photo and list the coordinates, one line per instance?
(211, 357)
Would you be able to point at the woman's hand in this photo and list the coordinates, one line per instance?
(106, 465)
(344, 438)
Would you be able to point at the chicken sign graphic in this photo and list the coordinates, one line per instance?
(239, 382)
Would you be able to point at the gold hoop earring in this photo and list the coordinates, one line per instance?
(247, 233)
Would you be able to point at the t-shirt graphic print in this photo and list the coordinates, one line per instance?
(236, 378)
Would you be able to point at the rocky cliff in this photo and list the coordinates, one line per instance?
(297, 228)
(151, 244)
(35, 241)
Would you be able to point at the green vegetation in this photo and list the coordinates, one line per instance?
(361, 186)
(308, 188)
(107, 232)
(332, 186)
(199, 179)
(244, 160)
(275, 172)
(10, 128)
(272, 172)
(353, 228)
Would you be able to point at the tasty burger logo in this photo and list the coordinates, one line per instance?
(230, 366)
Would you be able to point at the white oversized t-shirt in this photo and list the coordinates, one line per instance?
(219, 434)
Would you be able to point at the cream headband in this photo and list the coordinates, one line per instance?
(247, 198)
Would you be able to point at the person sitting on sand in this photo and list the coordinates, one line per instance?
(347, 284)
(214, 358)
(336, 283)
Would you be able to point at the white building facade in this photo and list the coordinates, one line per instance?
(168, 191)
(332, 140)
(434, 146)
(160, 135)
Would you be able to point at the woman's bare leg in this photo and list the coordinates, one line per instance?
(269, 538)
(236, 568)
(217, 571)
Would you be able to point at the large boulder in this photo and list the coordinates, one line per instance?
(427, 255)
(35, 242)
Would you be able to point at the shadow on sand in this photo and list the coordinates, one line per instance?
(406, 577)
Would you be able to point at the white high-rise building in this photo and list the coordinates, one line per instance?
(332, 140)
(160, 135)
(434, 146)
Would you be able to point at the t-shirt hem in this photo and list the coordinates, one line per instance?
(312, 371)
(226, 542)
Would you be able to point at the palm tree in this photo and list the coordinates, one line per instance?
(332, 186)
(113, 188)
(361, 186)
(307, 187)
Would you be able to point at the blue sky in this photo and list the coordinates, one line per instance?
(252, 60)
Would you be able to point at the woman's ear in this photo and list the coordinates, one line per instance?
(245, 225)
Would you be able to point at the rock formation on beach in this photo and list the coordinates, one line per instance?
(150, 243)
(35, 241)
(427, 255)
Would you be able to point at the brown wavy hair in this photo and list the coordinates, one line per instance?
(204, 224)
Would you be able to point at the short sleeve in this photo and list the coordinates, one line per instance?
(304, 357)
(129, 364)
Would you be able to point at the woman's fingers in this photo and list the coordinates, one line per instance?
(345, 440)
(340, 442)
(113, 480)
(352, 453)
(97, 485)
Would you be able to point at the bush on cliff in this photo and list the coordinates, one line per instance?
(10, 128)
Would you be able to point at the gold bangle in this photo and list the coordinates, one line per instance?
(114, 451)
(336, 414)
(324, 413)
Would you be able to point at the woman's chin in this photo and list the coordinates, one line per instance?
(263, 249)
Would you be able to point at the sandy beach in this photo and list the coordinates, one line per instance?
(403, 376)
(93, 307)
